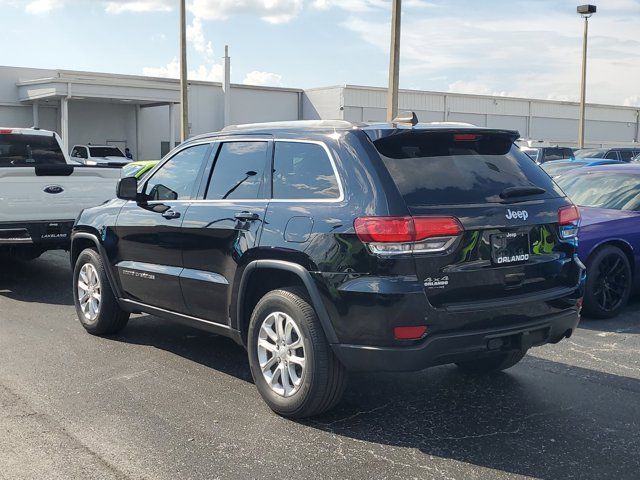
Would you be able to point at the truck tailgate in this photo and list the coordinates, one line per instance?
(25, 197)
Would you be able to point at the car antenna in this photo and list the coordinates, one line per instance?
(407, 118)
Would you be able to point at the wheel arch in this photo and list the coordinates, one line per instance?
(623, 245)
(83, 240)
(279, 273)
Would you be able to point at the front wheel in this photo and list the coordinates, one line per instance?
(96, 305)
(494, 363)
(291, 361)
(608, 283)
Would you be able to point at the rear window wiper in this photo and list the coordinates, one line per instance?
(511, 192)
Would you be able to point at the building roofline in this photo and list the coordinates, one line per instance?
(491, 97)
(70, 75)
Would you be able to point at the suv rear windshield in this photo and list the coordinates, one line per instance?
(20, 150)
(105, 152)
(460, 168)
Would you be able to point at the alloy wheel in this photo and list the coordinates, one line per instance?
(612, 283)
(89, 292)
(281, 353)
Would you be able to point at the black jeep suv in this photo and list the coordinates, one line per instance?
(324, 247)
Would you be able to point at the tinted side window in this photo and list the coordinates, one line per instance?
(626, 155)
(303, 170)
(238, 172)
(612, 155)
(176, 179)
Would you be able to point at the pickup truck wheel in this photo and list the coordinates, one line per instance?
(291, 361)
(96, 305)
(492, 364)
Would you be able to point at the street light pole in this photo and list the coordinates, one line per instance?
(585, 11)
(184, 98)
(394, 61)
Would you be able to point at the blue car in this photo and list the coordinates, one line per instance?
(559, 167)
(608, 198)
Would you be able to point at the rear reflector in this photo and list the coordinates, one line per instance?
(409, 333)
(568, 220)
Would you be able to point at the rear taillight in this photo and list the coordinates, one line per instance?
(568, 221)
(5, 131)
(401, 235)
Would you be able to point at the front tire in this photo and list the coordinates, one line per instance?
(96, 305)
(292, 364)
(492, 364)
(608, 283)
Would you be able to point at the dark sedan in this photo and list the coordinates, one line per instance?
(609, 236)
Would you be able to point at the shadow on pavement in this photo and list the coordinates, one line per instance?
(44, 280)
(542, 419)
(627, 322)
(213, 351)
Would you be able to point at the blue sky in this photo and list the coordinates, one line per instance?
(504, 47)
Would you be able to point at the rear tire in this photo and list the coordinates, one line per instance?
(96, 305)
(285, 329)
(608, 283)
(492, 364)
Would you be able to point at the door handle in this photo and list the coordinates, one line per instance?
(247, 216)
(171, 214)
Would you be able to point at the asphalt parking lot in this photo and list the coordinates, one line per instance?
(164, 401)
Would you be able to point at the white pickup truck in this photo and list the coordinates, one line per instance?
(42, 192)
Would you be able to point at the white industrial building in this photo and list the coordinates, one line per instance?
(142, 112)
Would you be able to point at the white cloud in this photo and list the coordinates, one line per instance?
(271, 11)
(121, 6)
(195, 35)
(210, 73)
(537, 56)
(367, 5)
(39, 7)
(263, 78)
(632, 101)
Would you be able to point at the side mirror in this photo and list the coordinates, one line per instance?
(127, 189)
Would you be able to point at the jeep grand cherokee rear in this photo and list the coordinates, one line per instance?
(324, 247)
(493, 243)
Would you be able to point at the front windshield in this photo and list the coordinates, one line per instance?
(613, 190)
(590, 153)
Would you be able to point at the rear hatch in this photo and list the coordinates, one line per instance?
(509, 247)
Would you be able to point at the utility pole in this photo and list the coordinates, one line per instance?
(585, 11)
(394, 61)
(184, 94)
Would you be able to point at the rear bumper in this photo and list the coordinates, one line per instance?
(458, 346)
(47, 234)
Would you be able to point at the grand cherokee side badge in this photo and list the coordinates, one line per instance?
(53, 189)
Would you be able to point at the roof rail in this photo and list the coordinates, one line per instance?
(291, 124)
